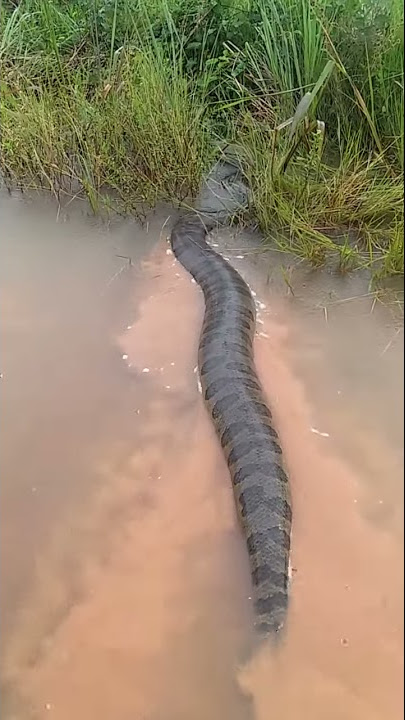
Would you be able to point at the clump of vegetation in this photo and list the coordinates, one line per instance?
(128, 101)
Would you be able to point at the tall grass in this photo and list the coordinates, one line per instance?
(134, 125)
(127, 100)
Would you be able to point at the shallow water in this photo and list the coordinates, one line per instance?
(125, 588)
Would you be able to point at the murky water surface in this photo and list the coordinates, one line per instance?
(125, 588)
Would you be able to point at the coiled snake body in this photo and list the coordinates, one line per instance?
(243, 422)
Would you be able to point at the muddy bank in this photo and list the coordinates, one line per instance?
(133, 585)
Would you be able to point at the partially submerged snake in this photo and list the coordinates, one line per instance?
(243, 422)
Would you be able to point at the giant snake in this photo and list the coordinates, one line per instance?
(236, 403)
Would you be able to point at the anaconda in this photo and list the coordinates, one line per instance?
(242, 419)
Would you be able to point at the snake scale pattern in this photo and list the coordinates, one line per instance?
(242, 420)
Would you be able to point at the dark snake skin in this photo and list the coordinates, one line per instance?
(243, 422)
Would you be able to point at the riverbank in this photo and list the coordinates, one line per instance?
(129, 103)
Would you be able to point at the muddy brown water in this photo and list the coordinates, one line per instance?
(125, 590)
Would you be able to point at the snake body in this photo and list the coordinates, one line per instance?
(242, 420)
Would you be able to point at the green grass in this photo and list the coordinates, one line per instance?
(128, 101)
(142, 133)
